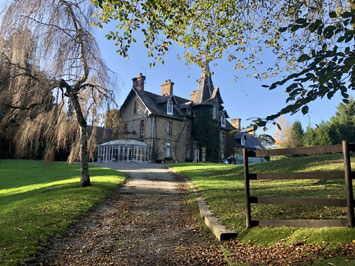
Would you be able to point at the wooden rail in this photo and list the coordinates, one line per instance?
(345, 148)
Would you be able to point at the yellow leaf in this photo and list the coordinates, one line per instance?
(99, 12)
(93, 15)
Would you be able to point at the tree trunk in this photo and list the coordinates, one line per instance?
(85, 179)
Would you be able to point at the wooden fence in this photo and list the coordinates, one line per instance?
(345, 148)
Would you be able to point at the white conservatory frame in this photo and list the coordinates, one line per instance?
(123, 150)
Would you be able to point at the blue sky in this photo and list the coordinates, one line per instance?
(244, 98)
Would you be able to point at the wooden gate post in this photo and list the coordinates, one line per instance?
(247, 188)
(348, 184)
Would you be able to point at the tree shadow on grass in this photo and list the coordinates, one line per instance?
(57, 191)
(13, 174)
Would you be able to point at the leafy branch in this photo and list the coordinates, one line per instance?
(328, 68)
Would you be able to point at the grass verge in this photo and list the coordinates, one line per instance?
(222, 186)
(39, 200)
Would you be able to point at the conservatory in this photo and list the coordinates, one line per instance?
(123, 150)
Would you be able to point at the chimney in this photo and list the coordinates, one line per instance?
(138, 82)
(193, 96)
(251, 131)
(236, 123)
(167, 87)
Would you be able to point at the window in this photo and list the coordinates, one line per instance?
(188, 133)
(169, 107)
(168, 150)
(214, 112)
(242, 140)
(188, 111)
(141, 130)
(223, 139)
(135, 107)
(223, 120)
(188, 152)
(169, 129)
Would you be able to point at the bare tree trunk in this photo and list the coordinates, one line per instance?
(85, 179)
(72, 93)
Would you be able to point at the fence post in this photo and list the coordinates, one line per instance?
(247, 188)
(348, 184)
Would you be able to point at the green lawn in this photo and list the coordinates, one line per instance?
(38, 200)
(223, 188)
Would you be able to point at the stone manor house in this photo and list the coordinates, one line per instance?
(158, 128)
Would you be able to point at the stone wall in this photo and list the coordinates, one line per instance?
(178, 139)
(133, 119)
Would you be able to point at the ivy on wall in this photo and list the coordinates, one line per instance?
(206, 132)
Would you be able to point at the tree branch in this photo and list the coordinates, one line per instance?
(65, 31)
(22, 107)
(81, 44)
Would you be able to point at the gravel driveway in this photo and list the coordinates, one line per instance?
(148, 221)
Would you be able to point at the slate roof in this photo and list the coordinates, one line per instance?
(216, 94)
(229, 126)
(205, 87)
(102, 134)
(163, 99)
(157, 103)
(251, 142)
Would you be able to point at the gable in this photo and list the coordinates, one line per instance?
(130, 99)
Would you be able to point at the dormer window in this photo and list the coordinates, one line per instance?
(188, 111)
(169, 108)
(242, 140)
(223, 120)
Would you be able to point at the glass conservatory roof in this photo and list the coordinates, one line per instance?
(125, 142)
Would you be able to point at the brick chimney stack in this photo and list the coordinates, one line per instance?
(236, 123)
(167, 88)
(138, 82)
(193, 96)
